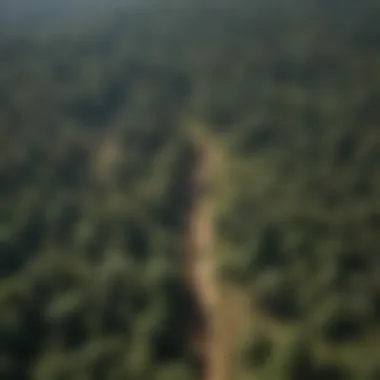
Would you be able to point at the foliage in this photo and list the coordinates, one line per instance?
(94, 166)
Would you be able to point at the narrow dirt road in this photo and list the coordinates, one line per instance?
(201, 270)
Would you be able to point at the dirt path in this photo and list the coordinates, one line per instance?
(219, 308)
(201, 266)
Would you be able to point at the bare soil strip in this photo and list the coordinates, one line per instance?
(201, 268)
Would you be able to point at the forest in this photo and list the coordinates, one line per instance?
(97, 149)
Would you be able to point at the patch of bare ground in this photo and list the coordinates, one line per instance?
(224, 309)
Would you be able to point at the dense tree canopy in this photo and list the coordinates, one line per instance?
(94, 163)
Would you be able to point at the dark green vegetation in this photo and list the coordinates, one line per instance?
(90, 241)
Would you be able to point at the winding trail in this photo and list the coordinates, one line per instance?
(218, 308)
(201, 264)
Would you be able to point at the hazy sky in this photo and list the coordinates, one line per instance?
(17, 13)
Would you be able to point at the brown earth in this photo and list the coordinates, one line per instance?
(221, 307)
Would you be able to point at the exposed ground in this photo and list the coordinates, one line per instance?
(221, 307)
